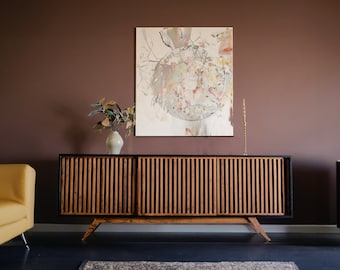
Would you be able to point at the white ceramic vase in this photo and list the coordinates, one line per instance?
(114, 143)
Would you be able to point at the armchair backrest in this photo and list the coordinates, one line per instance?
(17, 183)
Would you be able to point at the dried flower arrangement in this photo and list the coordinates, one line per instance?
(114, 116)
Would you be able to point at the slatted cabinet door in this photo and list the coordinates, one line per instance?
(177, 186)
(97, 185)
(252, 186)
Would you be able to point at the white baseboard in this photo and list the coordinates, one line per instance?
(228, 228)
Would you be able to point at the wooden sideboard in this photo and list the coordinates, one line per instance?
(188, 189)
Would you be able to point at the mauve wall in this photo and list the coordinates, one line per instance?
(57, 57)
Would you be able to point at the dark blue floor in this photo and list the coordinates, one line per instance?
(63, 251)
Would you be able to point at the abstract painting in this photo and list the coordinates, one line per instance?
(184, 81)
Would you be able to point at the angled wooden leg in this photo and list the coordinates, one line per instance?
(258, 228)
(94, 225)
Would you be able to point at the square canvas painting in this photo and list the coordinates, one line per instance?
(184, 81)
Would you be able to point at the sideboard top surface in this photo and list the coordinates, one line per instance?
(173, 155)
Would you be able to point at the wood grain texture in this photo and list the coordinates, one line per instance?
(174, 185)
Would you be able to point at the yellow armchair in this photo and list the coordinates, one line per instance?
(17, 192)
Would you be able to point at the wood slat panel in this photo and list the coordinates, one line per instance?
(174, 185)
(97, 185)
(251, 186)
(187, 186)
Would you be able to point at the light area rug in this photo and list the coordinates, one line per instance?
(149, 265)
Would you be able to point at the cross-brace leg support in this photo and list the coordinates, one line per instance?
(178, 220)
